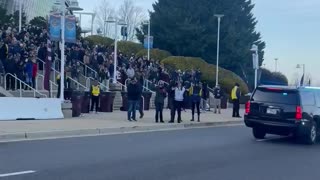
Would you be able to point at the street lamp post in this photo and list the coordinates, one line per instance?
(149, 35)
(73, 6)
(92, 14)
(255, 61)
(303, 71)
(219, 16)
(122, 23)
(149, 39)
(20, 15)
(276, 64)
(63, 8)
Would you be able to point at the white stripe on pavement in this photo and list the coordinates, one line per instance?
(17, 173)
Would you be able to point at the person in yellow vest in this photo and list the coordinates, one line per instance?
(95, 95)
(235, 96)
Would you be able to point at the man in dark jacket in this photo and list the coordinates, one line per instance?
(134, 94)
(42, 54)
(161, 95)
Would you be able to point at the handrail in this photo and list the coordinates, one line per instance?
(73, 80)
(39, 76)
(51, 89)
(43, 63)
(100, 84)
(52, 84)
(147, 89)
(25, 84)
(123, 86)
(77, 83)
(86, 67)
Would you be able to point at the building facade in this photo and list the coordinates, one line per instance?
(32, 8)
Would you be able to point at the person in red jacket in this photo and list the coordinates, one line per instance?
(34, 72)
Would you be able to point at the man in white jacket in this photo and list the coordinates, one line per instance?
(178, 102)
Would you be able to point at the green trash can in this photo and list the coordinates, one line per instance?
(76, 100)
(106, 101)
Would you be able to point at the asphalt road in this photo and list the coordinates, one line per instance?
(222, 153)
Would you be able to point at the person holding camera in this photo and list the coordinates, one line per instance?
(134, 94)
(161, 95)
(178, 102)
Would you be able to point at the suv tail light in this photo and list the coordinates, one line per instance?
(247, 108)
(298, 113)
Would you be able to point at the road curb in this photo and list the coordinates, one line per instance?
(105, 131)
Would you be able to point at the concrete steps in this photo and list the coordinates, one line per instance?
(117, 103)
(30, 93)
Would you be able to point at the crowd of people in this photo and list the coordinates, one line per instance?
(19, 52)
(22, 55)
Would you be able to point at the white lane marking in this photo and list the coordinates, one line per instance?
(17, 173)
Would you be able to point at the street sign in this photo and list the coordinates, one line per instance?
(145, 44)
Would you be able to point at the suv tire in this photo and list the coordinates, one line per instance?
(259, 133)
(311, 135)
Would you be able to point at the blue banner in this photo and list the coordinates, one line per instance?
(70, 29)
(145, 44)
(55, 27)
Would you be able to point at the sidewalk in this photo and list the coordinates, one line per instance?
(104, 123)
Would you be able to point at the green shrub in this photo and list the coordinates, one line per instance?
(227, 79)
(155, 54)
(273, 78)
(98, 40)
(128, 48)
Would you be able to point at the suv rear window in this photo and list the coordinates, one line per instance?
(276, 96)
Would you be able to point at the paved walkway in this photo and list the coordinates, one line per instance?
(104, 123)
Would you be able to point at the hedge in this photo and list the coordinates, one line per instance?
(273, 78)
(128, 48)
(227, 79)
(98, 40)
(155, 54)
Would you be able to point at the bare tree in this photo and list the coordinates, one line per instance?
(103, 11)
(133, 16)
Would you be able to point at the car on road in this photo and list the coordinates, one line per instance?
(284, 110)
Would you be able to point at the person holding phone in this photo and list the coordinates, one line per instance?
(161, 95)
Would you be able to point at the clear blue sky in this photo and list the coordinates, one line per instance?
(290, 29)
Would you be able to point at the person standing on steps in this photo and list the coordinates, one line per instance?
(161, 95)
(217, 99)
(95, 94)
(178, 102)
(235, 96)
(195, 92)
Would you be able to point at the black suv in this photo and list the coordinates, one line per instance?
(284, 110)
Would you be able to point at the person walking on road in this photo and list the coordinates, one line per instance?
(161, 95)
(235, 96)
(217, 99)
(178, 102)
(134, 94)
(195, 92)
(95, 94)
